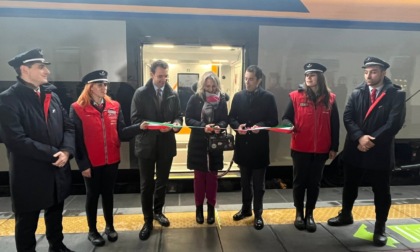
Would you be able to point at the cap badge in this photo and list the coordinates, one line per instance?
(309, 65)
(102, 73)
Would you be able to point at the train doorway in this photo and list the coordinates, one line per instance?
(186, 65)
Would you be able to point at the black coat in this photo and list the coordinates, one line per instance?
(144, 107)
(34, 182)
(199, 158)
(384, 122)
(253, 149)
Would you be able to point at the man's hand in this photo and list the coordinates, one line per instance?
(144, 125)
(176, 129)
(63, 157)
(241, 129)
(255, 131)
(365, 143)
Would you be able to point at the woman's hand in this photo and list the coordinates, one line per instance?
(216, 129)
(209, 128)
(87, 173)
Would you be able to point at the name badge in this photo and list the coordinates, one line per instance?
(304, 104)
(112, 112)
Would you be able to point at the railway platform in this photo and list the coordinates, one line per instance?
(279, 234)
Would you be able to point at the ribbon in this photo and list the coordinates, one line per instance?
(285, 129)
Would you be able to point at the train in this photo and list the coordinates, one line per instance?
(124, 37)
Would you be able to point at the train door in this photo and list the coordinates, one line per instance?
(186, 65)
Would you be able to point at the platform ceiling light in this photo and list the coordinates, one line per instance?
(221, 47)
(220, 61)
(163, 46)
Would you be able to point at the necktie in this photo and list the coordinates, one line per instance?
(373, 96)
(159, 95)
(38, 92)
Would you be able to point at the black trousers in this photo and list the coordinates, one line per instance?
(380, 181)
(153, 192)
(307, 175)
(101, 182)
(27, 223)
(253, 186)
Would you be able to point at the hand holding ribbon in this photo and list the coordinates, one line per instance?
(209, 128)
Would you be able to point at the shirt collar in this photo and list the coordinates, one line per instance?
(96, 104)
(378, 89)
(156, 88)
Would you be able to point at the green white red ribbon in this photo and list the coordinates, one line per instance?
(285, 129)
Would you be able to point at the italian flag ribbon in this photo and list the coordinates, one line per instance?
(159, 125)
(283, 128)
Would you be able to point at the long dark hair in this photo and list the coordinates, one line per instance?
(323, 90)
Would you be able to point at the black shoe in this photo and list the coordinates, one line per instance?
(111, 234)
(299, 220)
(96, 239)
(241, 215)
(145, 231)
(161, 218)
(341, 220)
(310, 223)
(62, 248)
(199, 217)
(210, 214)
(379, 239)
(258, 223)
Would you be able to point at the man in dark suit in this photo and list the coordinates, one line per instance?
(374, 114)
(155, 102)
(251, 108)
(39, 137)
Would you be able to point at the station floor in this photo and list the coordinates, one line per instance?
(279, 234)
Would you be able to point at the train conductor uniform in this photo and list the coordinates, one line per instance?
(40, 139)
(374, 114)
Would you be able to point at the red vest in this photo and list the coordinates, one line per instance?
(100, 132)
(312, 133)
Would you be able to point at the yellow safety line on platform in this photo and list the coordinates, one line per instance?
(133, 222)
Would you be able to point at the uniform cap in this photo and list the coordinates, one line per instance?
(314, 67)
(95, 76)
(32, 56)
(372, 61)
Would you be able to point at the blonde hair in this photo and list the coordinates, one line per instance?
(208, 75)
(85, 97)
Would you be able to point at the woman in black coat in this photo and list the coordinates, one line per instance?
(207, 113)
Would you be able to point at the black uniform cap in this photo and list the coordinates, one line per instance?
(95, 76)
(32, 56)
(314, 67)
(372, 61)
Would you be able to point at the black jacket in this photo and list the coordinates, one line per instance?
(35, 183)
(198, 144)
(144, 107)
(383, 123)
(258, 108)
